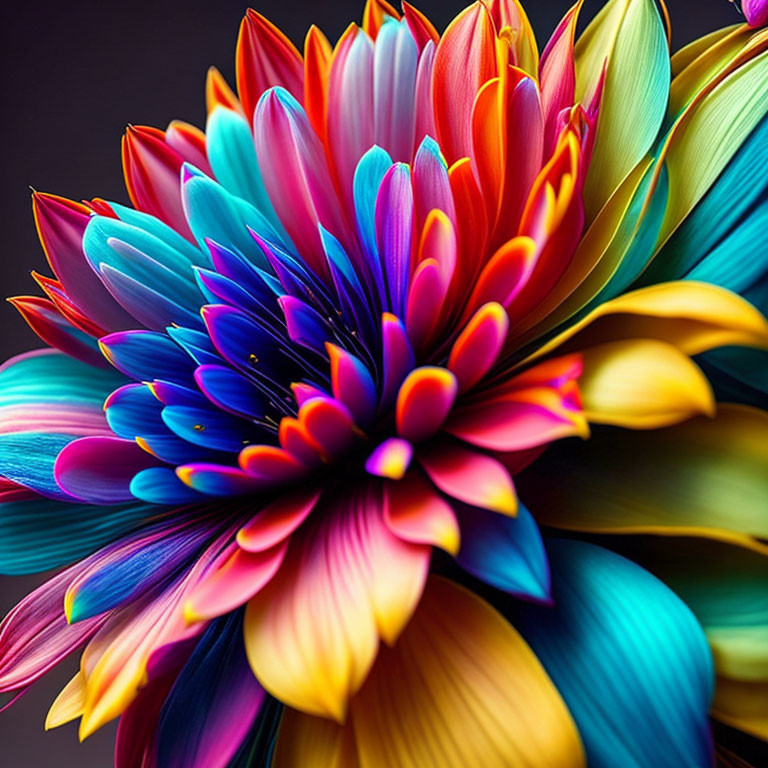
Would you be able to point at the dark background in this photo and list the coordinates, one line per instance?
(75, 73)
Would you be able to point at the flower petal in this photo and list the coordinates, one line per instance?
(448, 695)
(615, 625)
(344, 583)
(470, 476)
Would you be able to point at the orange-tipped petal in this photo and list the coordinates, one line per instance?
(270, 463)
(60, 225)
(152, 172)
(479, 345)
(505, 275)
(278, 520)
(265, 57)
(373, 16)
(424, 401)
(219, 94)
(471, 477)
(189, 142)
(417, 513)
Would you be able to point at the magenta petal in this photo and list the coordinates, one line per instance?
(35, 636)
(233, 579)
(273, 524)
(61, 224)
(296, 175)
(99, 470)
(397, 356)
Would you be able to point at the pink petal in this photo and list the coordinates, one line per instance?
(292, 162)
(99, 469)
(35, 635)
(278, 520)
(416, 513)
(233, 579)
(478, 346)
(471, 477)
(60, 226)
(153, 176)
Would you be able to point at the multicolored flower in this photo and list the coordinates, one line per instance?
(308, 404)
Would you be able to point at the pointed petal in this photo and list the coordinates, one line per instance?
(265, 58)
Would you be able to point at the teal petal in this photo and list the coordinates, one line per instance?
(735, 191)
(628, 657)
(216, 215)
(42, 534)
(232, 155)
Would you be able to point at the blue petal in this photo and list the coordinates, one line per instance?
(628, 657)
(133, 566)
(27, 458)
(160, 230)
(146, 355)
(213, 703)
(231, 391)
(145, 259)
(133, 410)
(208, 427)
(506, 552)
(215, 214)
(151, 308)
(738, 187)
(370, 171)
(160, 485)
(196, 344)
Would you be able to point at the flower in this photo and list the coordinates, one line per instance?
(307, 403)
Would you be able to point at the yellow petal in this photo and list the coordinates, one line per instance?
(705, 66)
(689, 53)
(629, 35)
(69, 703)
(705, 477)
(710, 131)
(461, 688)
(742, 705)
(312, 634)
(692, 316)
(313, 742)
(740, 652)
(642, 384)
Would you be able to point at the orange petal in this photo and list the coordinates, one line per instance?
(219, 94)
(423, 402)
(265, 57)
